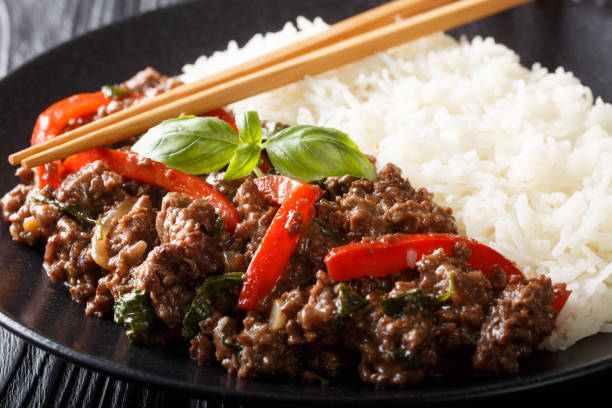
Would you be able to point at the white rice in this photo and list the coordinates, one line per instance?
(523, 156)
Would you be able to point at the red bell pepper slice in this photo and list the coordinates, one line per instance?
(400, 252)
(297, 201)
(52, 122)
(224, 116)
(133, 166)
(561, 296)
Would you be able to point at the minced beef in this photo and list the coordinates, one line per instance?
(389, 204)
(166, 245)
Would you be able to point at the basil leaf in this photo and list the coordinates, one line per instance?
(348, 301)
(394, 305)
(243, 162)
(327, 230)
(249, 127)
(217, 227)
(311, 153)
(135, 311)
(201, 306)
(414, 299)
(73, 210)
(194, 145)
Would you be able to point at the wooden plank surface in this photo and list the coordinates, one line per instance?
(32, 377)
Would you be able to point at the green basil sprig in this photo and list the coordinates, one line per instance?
(199, 145)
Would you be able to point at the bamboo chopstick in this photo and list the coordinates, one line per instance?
(366, 21)
(351, 49)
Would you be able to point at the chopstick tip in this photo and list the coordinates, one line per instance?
(13, 159)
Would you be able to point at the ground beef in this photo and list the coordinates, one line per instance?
(372, 208)
(457, 327)
(517, 323)
(171, 273)
(129, 239)
(14, 199)
(135, 226)
(318, 316)
(141, 87)
(91, 189)
(137, 189)
(68, 259)
(31, 221)
(257, 214)
(167, 244)
(182, 218)
(265, 351)
(201, 349)
(395, 351)
(186, 256)
(150, 82)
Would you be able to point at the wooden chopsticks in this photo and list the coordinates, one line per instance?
(348, 41)
(366, 21)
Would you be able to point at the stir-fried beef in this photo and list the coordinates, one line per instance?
(392, 330)
(389, 204)
(91, 189)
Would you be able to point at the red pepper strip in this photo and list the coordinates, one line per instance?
(561, 296)
(280, 241)
(224, 116)
(133, 166)
(52, 122)
(386, 256)
(265, 165)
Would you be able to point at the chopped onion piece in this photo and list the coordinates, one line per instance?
(99, 253)
(278, 318)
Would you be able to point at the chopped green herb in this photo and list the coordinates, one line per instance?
(348, 301)
(327, 230)
(414, 299)
(394, 305)
(231, 346)
(217, 227)
(201, 306)
(401, 354)
(114, 91)
(134, 310)
(75, 211)
(322, 380)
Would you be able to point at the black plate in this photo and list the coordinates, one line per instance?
(571, 35)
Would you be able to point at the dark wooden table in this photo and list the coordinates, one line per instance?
(32, 377)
